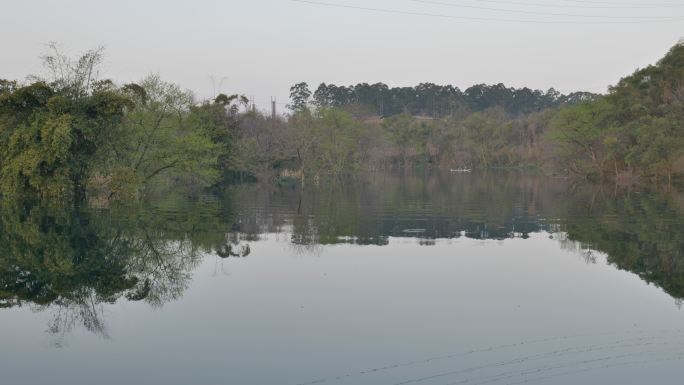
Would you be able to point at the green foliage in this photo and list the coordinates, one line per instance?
(328, 142)
(72, 131)
(220, 122)
(300, 96)
(579, 130)
(7, 86)
(403, 131)
(635, 129)
(488, 137)
(162, 135)
(50, 142)
(418, 140)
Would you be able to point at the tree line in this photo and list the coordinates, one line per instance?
(632, 134)
(71, 134)
(428, 99)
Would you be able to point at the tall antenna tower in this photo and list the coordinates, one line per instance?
(273, 108)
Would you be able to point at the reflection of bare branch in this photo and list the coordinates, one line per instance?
(160, 268)
(306, 245)
(164, 267)
(588, 255)
(232, 248)
(85, 309)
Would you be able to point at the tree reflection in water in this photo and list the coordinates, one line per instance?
(640, 230)
(73, 261)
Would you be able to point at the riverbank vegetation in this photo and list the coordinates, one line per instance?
(636, 130)
(71, 134)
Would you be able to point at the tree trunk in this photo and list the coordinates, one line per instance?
(79, 191)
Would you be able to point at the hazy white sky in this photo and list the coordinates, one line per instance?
(262, 47)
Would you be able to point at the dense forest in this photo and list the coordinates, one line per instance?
(73, 135)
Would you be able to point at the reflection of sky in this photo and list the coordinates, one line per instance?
(265, 46)
(283, 316)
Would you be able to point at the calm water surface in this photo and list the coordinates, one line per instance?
(435, 279)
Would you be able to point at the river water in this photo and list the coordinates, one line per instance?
(388, 279)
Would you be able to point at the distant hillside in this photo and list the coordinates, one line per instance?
(637, 130)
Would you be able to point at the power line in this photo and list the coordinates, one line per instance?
(644, 5)
(661, 18)
(583, 4)
(472, 18)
